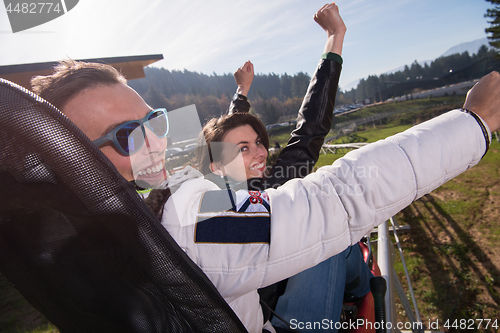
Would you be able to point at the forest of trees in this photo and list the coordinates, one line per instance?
(278, 97)
(273, 95)
(444, 70)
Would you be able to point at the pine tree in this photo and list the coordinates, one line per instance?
(494, 29)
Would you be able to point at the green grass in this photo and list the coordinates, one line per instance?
(453, 249)
(416, 111)
(374, 135)
(455, 231)
(280, 134)
(371, 135)
(412, 109)
(48, 328)
(17, 315)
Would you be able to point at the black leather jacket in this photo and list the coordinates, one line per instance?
(301, 153)
(314, 121)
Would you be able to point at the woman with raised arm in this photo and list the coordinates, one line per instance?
(317, 293)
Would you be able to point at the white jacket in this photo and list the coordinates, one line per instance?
(320, 215)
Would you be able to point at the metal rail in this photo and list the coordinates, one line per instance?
(385, 260)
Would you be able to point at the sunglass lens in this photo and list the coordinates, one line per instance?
(130, 137)
(158, 123)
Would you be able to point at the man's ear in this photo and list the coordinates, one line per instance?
(215, 168)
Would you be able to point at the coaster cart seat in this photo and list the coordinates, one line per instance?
(370, 308)
(79, 243)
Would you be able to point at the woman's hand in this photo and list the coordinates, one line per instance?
(244, 78)
(329, 19)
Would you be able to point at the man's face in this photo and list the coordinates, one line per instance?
(98, 110)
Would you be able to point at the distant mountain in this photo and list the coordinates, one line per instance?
(472, 47)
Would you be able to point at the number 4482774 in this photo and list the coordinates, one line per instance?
(33, 7)
(471, 324)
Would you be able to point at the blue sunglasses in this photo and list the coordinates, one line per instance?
(128, 139)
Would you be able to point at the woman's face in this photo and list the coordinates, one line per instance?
(252, 153)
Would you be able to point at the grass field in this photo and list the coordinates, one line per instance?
(454, 246)
(17, 315)
(452, 251)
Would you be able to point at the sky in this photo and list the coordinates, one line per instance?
(278, 36)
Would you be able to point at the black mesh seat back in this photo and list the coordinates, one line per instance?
(79, 243)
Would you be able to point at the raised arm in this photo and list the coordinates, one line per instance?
(315, 116)
(244, 78)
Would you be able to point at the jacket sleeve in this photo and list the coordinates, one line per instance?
(346, 200)
(314, 121)
(320, 215)
(239, 105)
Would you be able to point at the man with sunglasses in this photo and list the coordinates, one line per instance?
(133, 136)
(127, 130)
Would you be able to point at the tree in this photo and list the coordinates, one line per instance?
(494, 29)
(154, 98)
(286, 86)
(300, 82)
(291, 106)
(268, 110)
